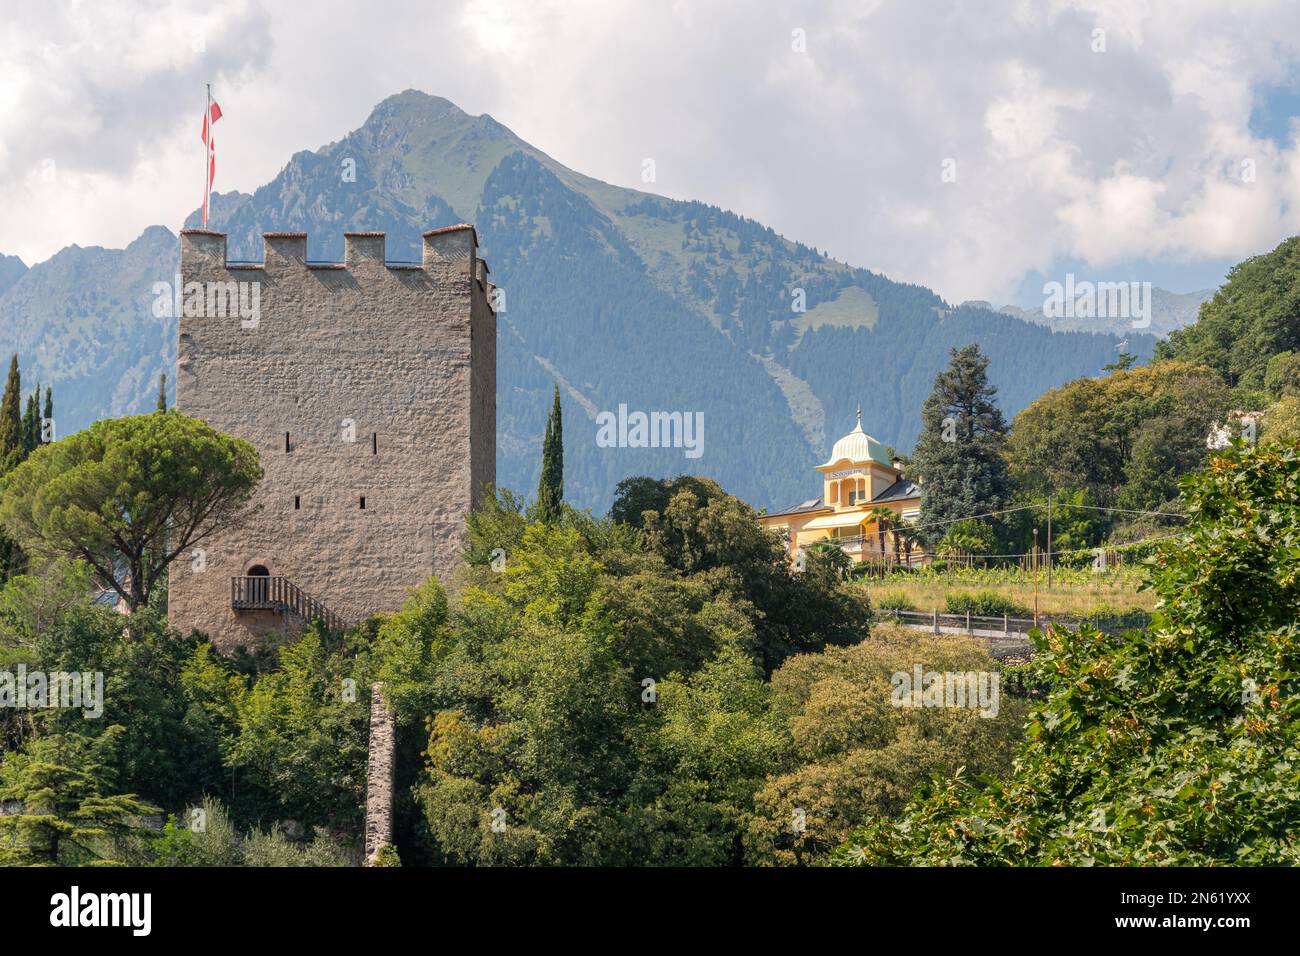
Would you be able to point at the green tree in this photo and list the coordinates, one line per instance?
(203, 838)
(699, 529)
(495, 528)
(854, 755)
(11, 421)
(69, 813)
(550, 487)
(1170, 745)
(1129, 435)
(1282, 375)
(128, 495)
(887, 529)
(302, 737)
(32, 422)
(1282, 423)
(958, 456)
(407, 650)
(529, 762)
(1254, 316)
(961, 540)
(713, 740)
(162, 392)
(12, 451)
(598, 706)
(1124, 362)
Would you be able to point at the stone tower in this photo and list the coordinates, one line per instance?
(369, 391)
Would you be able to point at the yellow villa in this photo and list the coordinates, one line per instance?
(857, 480)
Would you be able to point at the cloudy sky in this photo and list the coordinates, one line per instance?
(975, 148)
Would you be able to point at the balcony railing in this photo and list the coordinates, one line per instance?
(265, 593)
(868, 547)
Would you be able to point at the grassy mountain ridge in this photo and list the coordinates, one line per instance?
(623, 296)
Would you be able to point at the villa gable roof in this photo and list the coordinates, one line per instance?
(805, 507)
(900, 490)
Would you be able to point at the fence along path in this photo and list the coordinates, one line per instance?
(1005, 636)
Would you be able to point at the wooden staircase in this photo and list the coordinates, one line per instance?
(266, 593)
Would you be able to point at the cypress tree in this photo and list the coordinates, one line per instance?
(11, 421)
(550, 488)
(32, 423)
(12, 440)
(162, 392)
(49, 410)
(958, 458)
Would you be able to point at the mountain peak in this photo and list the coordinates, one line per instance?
(11, 270)
(417, 100)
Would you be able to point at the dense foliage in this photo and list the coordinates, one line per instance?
(1178, 744)
(1123, 440)
(1254, 317)
(660, 690)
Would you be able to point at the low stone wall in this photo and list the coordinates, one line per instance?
(380, 776)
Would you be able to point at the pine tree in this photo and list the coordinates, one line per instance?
(68, 811)
(162, 392)
(550, 488)
(958, 458)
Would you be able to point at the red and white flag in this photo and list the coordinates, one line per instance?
(211, 116)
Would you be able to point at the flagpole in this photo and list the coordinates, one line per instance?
(207, 154)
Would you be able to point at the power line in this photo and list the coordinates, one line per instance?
(1093, 550)
(1006, 511)
(989, 514)
(1127, 511)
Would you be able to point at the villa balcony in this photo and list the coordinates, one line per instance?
(866, 547)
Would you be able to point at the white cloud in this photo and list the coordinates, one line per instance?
(1134, 154)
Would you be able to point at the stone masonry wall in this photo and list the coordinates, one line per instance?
(383, 379)
(381, 766)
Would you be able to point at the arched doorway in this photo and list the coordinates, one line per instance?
(259, 579)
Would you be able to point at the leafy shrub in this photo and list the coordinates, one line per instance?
(273, 848)
(1117, 620)
(387, 856)
(984, 604)
(892, 601)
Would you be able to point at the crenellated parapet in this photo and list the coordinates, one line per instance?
(449, 251)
